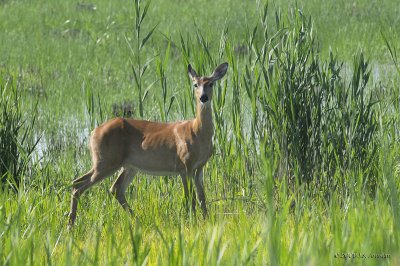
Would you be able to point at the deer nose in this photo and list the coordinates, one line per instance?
(204, 98)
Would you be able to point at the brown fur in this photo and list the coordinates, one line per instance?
(179, 148)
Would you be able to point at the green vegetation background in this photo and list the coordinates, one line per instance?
(74, 62)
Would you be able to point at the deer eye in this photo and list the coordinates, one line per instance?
(211, 84)
(195, 85)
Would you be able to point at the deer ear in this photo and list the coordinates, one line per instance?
(219, 72)
(192, 72)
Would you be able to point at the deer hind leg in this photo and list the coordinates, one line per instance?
(119, 187)
(77, 184)
(200, 191)
(189, 191)
(83, 183)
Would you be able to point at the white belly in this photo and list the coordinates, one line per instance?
(157, 173)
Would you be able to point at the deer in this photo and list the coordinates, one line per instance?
(160, 149)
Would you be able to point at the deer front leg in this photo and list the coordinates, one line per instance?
(189, 191)
(200, 190)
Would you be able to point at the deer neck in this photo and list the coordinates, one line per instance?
(203, 123)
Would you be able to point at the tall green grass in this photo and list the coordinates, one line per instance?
(18, 138)
(306, 162)
(315, 121)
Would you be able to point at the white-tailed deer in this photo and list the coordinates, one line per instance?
(179, 148)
